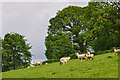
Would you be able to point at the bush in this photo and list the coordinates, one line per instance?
(73, 56)
(103, 52)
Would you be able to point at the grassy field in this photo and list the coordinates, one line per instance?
(102, 66)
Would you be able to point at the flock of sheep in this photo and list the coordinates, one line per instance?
(80, 57)
(84, 56)
(64, 60)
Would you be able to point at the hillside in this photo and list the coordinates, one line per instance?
(103, 66)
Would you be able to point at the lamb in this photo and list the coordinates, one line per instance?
(81, 56)
(64, 59)
(116, 51)
(89, 55)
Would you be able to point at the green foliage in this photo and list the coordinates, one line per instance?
(73, 56)
(103, 52)
(15, 52)
(103, 27)
(96, 25)
(58, 46)
(63, 27)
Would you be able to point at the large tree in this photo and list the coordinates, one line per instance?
(96, 26)
(70, 22)
(103, 25)
(15, 52)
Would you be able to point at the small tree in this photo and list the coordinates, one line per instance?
(15, 52)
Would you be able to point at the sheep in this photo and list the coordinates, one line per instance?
(35, 63)
(67, 58)
(46, 63)
(82, 56)
(116, 51)
(38, 63)
(88, 52)
(89, 55)
(64, 59)
(30, 66)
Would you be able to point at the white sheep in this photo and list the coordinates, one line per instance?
(30, 66)
(46, 63)
(88, 52)
(35, 63)
(64, 59)
(89, 55)
(116, 51)
(38, 63)
(81, 56)
(67, 58)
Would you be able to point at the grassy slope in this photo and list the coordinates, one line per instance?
(100, 67)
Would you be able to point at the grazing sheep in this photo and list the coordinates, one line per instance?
(81, 56)
(67, 58)
(35, 63)
(88, 52)
(30, 66)
(89, 55)
(116, 51)
(46, 63)
(39, 63)
(64, 59)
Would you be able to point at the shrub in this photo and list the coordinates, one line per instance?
(103, 52)
(73, 56)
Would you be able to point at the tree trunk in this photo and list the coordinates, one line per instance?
(14, 60)
(82, 47)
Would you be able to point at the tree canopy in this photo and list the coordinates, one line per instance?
(103, 25)
(96, 26)
(15, 52)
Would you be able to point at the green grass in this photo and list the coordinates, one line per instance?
(100, 67)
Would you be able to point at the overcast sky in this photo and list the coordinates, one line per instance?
(31, 19)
